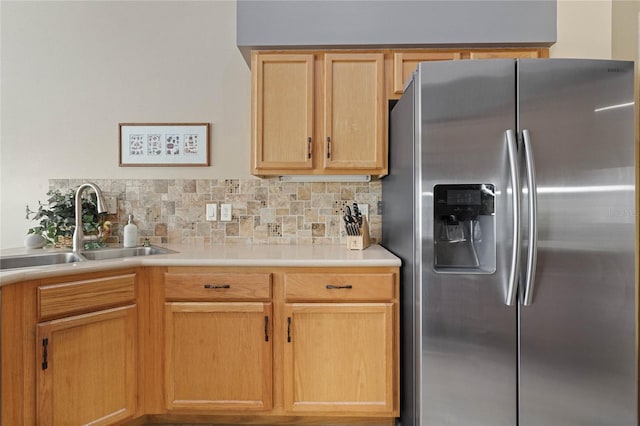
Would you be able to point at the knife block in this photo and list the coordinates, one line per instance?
(362, 241)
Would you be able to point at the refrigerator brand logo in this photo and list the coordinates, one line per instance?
(615, 70)
(622, 212)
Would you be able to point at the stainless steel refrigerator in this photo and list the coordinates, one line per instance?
(511, 202)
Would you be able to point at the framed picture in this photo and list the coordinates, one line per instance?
(164, 144)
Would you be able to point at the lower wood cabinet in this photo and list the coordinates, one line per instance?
(87, 368)
(220, 345)
(218, 355)
(339, 358)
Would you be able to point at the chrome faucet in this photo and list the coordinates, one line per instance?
(78, 234)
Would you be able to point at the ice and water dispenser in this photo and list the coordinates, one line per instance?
(464, 228)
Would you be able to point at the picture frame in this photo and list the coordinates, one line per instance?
(163, 144)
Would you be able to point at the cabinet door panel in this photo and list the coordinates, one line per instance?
(339, 358)
(87, 368)
(218, 355)
(405, 63)
(354, 111)
(503, 54)
(282, 111)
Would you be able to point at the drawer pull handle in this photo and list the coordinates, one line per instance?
(332, 287)
(217, 286)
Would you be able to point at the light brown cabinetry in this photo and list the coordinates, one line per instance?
(283, 111)
(318, 113)
(202, 344)
(86, 353)
(218, 341)
(354, 114)
(506, 54)
(406, 62)
(340, 349)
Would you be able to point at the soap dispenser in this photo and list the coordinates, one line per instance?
(130, 233)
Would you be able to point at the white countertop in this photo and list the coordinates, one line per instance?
(221, 255)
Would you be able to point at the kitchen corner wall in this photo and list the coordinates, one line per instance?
(265, 211)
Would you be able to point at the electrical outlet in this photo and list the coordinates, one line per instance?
(364, 209)
(112, 204)
(211, 212)
(225, 212)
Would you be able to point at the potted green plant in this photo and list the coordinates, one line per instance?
(57, 217)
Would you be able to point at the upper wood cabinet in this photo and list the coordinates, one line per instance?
(318, 113)
(282, 112)
(355, 108)
(508, 54)
(405, 63)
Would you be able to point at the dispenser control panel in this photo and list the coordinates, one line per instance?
(468, 200)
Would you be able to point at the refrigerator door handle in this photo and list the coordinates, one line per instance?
(516, 189)
(532, 249)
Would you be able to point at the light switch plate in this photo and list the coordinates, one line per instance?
(112, 204)
(211, 212)
(225, 212)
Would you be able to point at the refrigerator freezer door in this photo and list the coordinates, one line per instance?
(468, 335)
(578, 337)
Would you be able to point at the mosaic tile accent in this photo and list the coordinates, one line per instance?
(264, 211)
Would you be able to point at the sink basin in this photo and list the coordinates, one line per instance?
(120, 252)
(44, 259)
(40, 259)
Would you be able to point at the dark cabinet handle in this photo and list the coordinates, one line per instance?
(217, 286)
(266, 328)
(334, 287)
(288, 329)
(45, 355)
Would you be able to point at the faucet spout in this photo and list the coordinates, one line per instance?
(78, 234)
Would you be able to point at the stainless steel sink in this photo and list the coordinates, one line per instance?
(43, 259)
(120, 252)
(40, 259)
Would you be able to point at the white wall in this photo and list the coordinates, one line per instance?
(72, 70)
(584, 29)
(625, 29)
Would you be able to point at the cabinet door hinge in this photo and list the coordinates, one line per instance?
(45, 343)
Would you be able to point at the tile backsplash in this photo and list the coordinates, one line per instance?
(265, 211)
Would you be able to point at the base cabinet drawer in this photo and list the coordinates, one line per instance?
(217, 286)
(340, 287)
